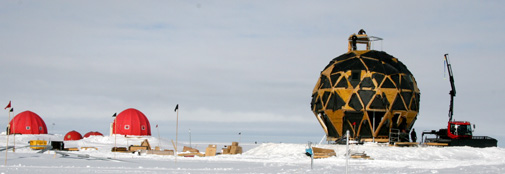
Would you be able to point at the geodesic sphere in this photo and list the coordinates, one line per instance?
(367, 92)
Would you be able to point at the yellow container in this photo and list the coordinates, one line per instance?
(38, 143)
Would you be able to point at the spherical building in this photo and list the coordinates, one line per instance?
(368, 92)
(27, 122)
(72, 136)
(131, 122)
(92, 134)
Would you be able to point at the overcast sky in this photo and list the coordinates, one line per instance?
(238, 66)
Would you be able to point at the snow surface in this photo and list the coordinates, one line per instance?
(257, 158)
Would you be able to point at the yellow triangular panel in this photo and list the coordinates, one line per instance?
(336, 119)
(390, 94)
(345, 94)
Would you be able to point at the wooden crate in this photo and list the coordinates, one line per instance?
(211, 150)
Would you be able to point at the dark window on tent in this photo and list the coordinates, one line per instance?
(325, 97)
(345, 56)
(366, 96)
(378, 103)
(378, 118)
(339, 67)
(365, 131)
(402, 68)
(27, 127)
(355, 78)
(339, 58)
(367, 82)
(356, 64)
(388, 84)
(388, 69)
(126, 126)
(334, 78)
(406, 84)
(342, 83)
(325, 83)
(415, 102)
(396, 79)
(414, 105)
(40, 127)
(337, 101)
(351, 117)
(143, 127)
(398, 104)
(378, 54)
(332, 132)
(334, 101)
(407, 96)
(355, 103)
(351, 64)
(374, 65)
(356, 75)
(378, 78)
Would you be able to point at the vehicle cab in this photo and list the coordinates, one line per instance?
(459, 129)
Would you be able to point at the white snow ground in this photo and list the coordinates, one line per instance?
(260, 158)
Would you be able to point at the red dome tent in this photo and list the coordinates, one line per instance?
(131, 122)
(72, 135)
(27, 122)
(92, 134)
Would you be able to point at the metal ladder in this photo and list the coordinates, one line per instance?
(394, 136)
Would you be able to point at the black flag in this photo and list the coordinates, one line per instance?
(114, 114)
(176, 107)
(12, 110)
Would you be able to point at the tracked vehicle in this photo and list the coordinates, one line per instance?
(457, 133)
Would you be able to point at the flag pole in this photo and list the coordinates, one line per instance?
(13, 126)
(8, 134)
(176, 132)
(115, 130)
(159, 139)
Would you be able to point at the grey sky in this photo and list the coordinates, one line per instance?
(242, 63)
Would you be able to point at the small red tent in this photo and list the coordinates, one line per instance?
(72, 135)
(92, 134)
(27, 122)
(131, 122)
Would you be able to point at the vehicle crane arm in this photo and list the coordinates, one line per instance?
(453, 88)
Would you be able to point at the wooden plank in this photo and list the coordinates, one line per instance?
(161, 152)
(72, 149)
(406, 144)
(86, 148)
(436, 144)
(191, 154)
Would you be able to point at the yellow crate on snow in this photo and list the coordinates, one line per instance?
(37, 143)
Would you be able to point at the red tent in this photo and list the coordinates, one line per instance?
(27, 122)
(131, 122)
(92, 134)
(72, 135)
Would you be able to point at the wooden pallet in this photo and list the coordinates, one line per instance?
(360, 156)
